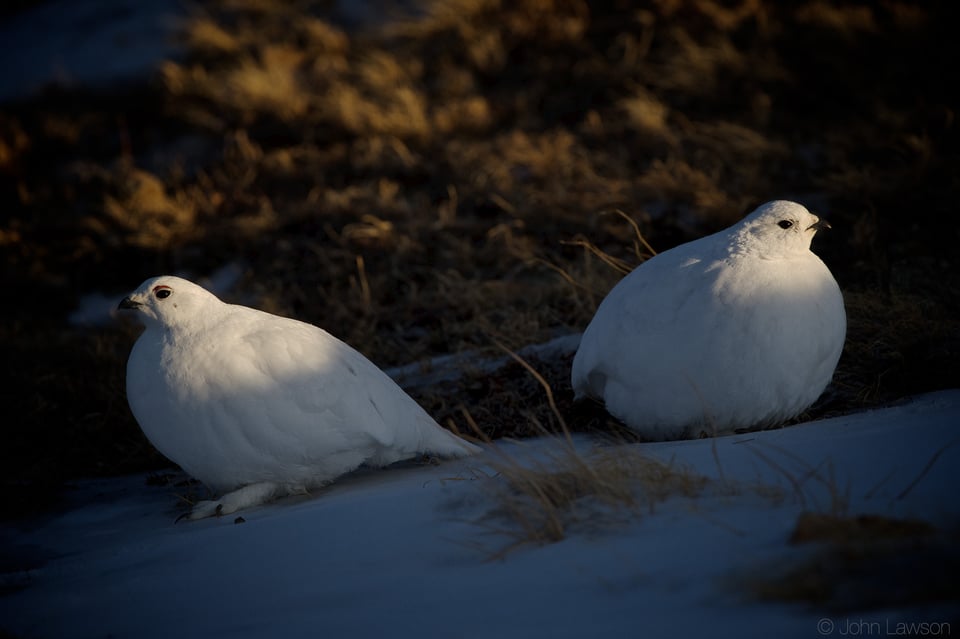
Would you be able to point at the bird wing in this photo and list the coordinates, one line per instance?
(322, 388)
(639, 320)
(337, 389)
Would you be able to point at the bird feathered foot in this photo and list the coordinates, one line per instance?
(245, 497)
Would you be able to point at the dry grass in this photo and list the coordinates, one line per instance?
(541, 501)
(817, 527)
(808, 483)
(863, 560)
(439, 182)
(866, 562)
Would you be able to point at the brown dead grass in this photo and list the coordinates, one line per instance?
(540, 501)
(441, 181)
(866, 562)
(816, 527)
(859, 561)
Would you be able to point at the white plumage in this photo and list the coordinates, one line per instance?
(259, 406)
(738, 330)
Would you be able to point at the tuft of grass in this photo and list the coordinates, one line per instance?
(144, 214)
(538, 501)
(823, 478)
(821, 527)
(866, 562)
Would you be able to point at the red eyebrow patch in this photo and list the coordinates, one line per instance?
(162, 292)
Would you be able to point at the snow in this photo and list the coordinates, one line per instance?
(450, 368)
(398, 552)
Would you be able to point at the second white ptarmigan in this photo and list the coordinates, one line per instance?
(738, 330)
(257, 406)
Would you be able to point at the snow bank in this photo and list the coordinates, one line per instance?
(395, 553)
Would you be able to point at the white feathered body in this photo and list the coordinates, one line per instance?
(241, 397)
(712, 336)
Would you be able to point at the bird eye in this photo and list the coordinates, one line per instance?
(162, 292)
(784, 224)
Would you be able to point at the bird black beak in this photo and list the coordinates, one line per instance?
(820, 225)
(129, 304)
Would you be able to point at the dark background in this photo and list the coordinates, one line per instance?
(436, 183)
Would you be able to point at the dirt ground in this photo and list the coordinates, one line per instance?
(471, 176)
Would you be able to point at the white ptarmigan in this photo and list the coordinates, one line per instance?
(259, 406)
(741, 329)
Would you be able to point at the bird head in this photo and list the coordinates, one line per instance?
(168, 301)
(778, 229)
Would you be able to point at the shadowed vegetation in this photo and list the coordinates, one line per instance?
(444, 179)
(866, 562)
(539, 502)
